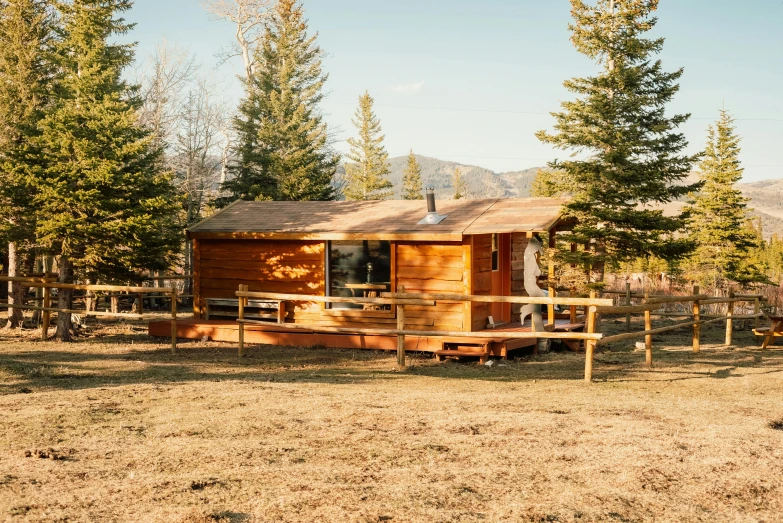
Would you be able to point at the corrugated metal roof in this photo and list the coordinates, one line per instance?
(384, 217)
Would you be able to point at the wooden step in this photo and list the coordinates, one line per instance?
(569, 327)
(482, 353)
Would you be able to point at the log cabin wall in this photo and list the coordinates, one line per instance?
(297, 267)
(519, 243)
(481, 279)
(433, 268)
(287, 266)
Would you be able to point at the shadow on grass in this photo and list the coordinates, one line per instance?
(127, 358)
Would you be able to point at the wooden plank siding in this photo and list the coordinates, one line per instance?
(298, 267)
(481, 276)
(428, 267)
(295, 267)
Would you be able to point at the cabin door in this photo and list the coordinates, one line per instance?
(501, 276)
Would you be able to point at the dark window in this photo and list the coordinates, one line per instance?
(358, 268)
(495, 252)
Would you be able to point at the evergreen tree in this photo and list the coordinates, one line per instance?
(754, 267)
(283, 147)
(103, 206)
(635, 158)
(368, 177)
(551, 184)
(460, 187)
(26, 74)
(411, 180)
(718, 212)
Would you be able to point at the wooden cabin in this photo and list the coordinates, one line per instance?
(348, 248)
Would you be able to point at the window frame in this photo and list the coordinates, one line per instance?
(327, 308)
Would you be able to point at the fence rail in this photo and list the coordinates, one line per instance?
(401, 298)
(47, 309)
(653, 303)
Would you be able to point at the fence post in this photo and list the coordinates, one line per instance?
(45, 317)
(590, 344)
(696, 320)
(627, 303)
(173, 320)
(241, 323)
(400, 327)
(648, 337)
(756, 311)
(729, 318)
(281, 312)
(141, 303)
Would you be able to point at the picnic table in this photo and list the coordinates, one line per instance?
(770, 333)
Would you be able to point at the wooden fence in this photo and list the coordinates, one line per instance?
(46, 284)
(652, 304)
(401, 299)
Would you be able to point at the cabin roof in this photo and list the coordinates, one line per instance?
(384, 219)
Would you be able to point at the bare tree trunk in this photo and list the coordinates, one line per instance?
(15, 290)
(64, 301)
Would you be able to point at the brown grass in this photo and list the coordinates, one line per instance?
(113, 428)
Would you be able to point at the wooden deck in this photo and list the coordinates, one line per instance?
(272, 334)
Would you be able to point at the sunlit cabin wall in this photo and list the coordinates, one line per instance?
(285, 266)
(432, 268)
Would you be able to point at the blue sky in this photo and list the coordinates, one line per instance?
(471, 81)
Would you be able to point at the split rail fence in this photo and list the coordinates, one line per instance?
(652, 304)
(594, 308)
(46, 308)
(400, 299)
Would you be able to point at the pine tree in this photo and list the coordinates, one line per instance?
(368, 177)
(754, 267)
(283, 146)
(635, 158)
(460, 187)
(103, 206)
(551, 184)
(26, 74)
(718, 212)
(411, 180)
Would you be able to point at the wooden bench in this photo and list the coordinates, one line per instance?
(265, 310)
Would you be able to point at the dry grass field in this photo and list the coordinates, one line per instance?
(114, 428)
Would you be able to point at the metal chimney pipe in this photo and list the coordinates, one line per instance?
(432, 217)
(431, 199)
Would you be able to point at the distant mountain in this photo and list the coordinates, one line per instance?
(766, 197)
(482, 183)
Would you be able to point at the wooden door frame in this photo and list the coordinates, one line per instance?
(503, 310)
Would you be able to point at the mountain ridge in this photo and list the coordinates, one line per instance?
(766, 196)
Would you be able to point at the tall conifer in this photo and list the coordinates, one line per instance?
(411, 180)
(368, 177)
(104, 208)
(633, 157)
(458, 182)
(26, 74)
(283, 146)
(718, 212)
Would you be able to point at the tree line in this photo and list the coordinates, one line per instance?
(103, 173)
